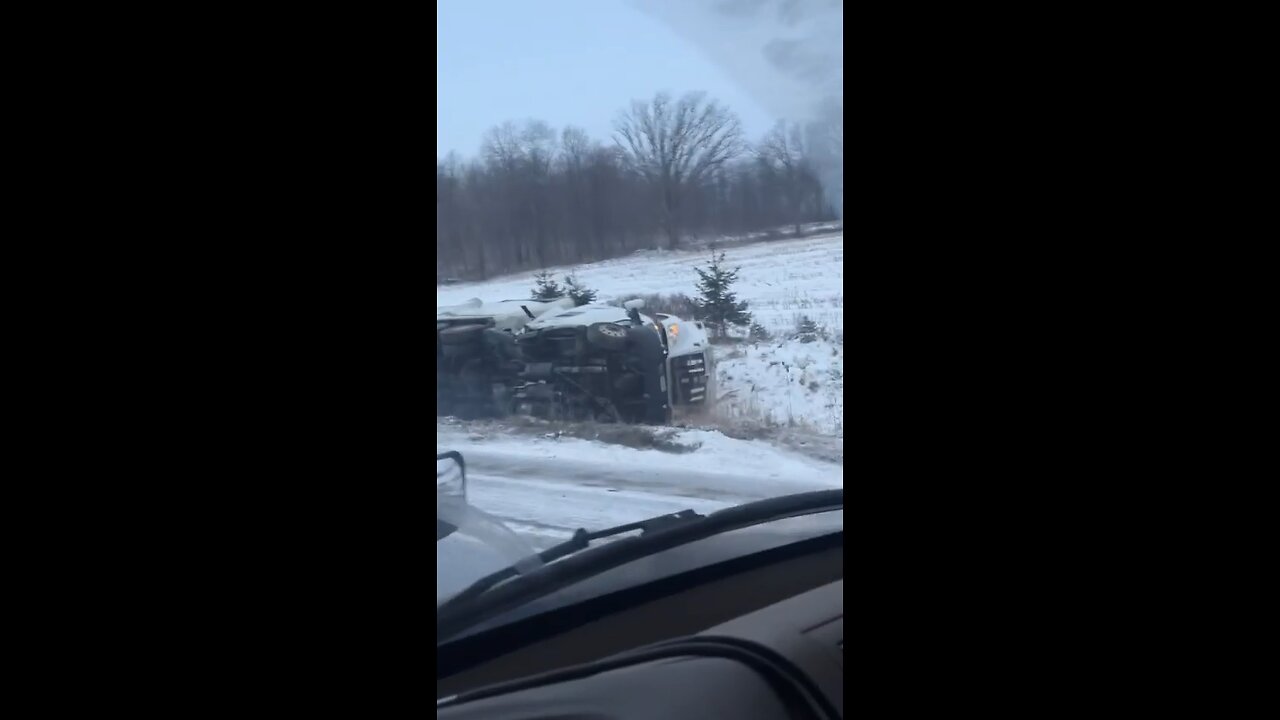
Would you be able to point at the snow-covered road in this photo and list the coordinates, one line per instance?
(543, 488)
(522, 504)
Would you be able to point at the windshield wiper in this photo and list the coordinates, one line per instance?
(581, 540)
(490, 598)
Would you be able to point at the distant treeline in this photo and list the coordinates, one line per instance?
(536, 197)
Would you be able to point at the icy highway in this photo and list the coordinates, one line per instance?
(545, 489)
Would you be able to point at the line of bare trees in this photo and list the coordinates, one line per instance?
(673, 169)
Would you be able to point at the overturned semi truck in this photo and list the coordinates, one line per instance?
(556, 361)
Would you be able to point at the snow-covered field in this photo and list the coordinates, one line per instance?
(781, 280)
(784, 383)
(777, 382)
(545, 487)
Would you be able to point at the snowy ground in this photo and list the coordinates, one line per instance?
(545, 487)
(784, 384)
(782, 280)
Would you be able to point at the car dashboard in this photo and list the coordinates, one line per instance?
(764, 642)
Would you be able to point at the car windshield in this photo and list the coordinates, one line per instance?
(639, 265)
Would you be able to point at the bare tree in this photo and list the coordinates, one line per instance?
(678, 145)
(535, 198)
(521, 157)
(786, 157)
(574, 148)
(575, 155)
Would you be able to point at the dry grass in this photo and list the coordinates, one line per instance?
(677, 304)
(641, 437)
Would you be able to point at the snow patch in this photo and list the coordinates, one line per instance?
(712, 454)
(784, 384)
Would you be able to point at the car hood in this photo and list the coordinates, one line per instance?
(701, 553)
(479, 545)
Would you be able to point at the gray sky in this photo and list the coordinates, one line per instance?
(574, 62)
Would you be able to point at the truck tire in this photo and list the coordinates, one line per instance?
(607, 336)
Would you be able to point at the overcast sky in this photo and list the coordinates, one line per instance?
(568, 62)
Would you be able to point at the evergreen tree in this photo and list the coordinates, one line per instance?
(546, 287)
(581, 294)
(718, 304)
(808, 331)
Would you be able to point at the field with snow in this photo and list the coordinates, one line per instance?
(781, 280)
(781, 382)
(543, 484)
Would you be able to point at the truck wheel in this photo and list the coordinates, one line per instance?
(607, 336)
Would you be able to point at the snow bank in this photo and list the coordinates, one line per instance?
(784, 383)
(714, 456)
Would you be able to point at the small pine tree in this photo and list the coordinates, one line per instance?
(759, 332)
(545, 287)
(718, 304)
(581, 294)
(807, 330)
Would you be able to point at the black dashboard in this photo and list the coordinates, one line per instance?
(762, 643)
